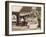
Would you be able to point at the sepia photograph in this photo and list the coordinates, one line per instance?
(25, 18)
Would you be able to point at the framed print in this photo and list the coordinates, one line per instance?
(24, 18)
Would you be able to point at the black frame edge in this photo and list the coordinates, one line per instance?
(6, 18)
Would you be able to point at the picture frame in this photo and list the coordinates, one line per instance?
(24, 18)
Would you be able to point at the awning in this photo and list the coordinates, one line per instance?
(23, 14)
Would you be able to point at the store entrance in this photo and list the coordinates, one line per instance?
(20, 20)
